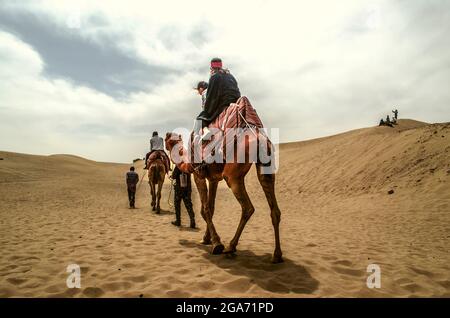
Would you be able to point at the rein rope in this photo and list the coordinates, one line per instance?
(140, 181)
(169, 201)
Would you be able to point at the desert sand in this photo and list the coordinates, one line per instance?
(337, 218)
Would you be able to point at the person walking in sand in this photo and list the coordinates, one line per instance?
(132, 179)
(183, 189)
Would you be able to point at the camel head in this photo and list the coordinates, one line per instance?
(171, 140)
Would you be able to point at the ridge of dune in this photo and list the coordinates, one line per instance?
(403, 124)
(337, 218)
(370, 158)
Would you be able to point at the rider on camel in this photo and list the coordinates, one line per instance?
(157, 145)
(222, 91)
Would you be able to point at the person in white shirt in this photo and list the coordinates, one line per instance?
(157, 144)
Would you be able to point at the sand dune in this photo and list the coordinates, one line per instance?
(337, 218)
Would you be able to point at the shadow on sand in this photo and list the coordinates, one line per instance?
(188, 229)
(162, 212)
(287, 277)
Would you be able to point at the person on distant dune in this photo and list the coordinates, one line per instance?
(388, 122)
(394, 120)
(132, 179)
(395, 111)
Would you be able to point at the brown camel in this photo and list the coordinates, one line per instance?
(156, 176)
(234, 174)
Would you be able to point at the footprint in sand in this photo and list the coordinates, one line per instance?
(413, 288)
(343, 262)
(16, 280)
(93, 292)
(115, 286)
(237, 285)
(344, 267)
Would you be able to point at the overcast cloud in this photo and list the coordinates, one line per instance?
(95, 78)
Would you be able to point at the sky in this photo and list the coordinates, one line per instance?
(96, 78)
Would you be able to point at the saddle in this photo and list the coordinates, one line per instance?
(239, 115)
(159, 154)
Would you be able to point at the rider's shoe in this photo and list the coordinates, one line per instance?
(176, 223)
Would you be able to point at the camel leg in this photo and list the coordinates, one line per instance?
(152, 190)
(237, 185)
(206, 237)
(212, 191)
(267, 182)
(158, 198)
(210, 234)
(201, 187)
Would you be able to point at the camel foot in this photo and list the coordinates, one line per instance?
(229, 250)
(205, 242)
(217, 249)
(277, 259)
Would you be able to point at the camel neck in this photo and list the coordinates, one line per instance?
(185, 166)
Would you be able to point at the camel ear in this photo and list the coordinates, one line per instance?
(168, 135)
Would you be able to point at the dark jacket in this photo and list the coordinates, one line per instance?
(176, 176)
(222, 91)
(132, 179)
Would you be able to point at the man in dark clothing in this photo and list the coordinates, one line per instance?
(132, 179)
(222, 91)
(183, 191)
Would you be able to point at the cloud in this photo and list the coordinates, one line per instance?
(99, 64)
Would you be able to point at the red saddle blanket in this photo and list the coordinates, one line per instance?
(237, 115)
